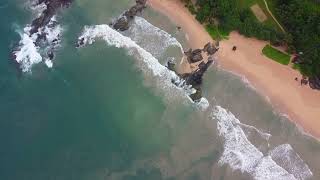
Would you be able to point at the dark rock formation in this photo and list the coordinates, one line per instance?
(50, 55)
(194, 55)
(314, 82)
(41, 28)
(45, 17)
(195, 78)
(210, 49)
(123, 22)
(171, 65)
(80, 43)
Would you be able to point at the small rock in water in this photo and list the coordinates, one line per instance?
(171, 65)
(123, 22)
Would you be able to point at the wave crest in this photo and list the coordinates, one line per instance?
(168, 78)
(242, 155)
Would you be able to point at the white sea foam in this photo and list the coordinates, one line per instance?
(267, 169)
(285, 156)
(264, 135)
(151, 38)
(48, 63)
(150, 64)
(52, 31)
(29, 54)
(203, 104)
(241, 154)
(37, 8)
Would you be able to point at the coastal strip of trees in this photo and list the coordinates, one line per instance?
(300, 19)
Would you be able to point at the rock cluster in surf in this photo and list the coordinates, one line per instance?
(195, 56)
(123, 22)
(40, 39)
(51, 9)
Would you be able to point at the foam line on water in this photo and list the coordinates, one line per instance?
(264, 135)
(241, 154)
(151, 38)
(285, 156)
(114, 38)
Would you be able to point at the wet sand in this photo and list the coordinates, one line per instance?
(274, 81)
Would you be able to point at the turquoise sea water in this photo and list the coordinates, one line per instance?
(98, 115)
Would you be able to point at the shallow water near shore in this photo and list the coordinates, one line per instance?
(101, 113)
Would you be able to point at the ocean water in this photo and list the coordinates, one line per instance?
(108, 110)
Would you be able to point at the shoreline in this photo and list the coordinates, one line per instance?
(270, 79)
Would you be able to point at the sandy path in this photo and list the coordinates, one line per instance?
(271, 79)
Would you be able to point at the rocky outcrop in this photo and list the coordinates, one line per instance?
(171, 65)
(194, 56)
(42, 37)
(210, 49)
(48, 13)
(123, 22)
(195, 78)
(314, 82)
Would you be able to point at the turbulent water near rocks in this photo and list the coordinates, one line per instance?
(109, 109)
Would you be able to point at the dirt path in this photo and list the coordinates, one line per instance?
(273, 17)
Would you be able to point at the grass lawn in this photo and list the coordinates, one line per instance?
(216, 33)
(276, 55)
(269, 22)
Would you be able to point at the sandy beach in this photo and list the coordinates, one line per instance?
(272, 80)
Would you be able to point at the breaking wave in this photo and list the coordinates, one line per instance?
(28, 53)
(241, 154)
(40, 46)
(151, 38)
(285, 156)
(169, 80)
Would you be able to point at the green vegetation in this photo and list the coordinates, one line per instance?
(299, 18)
(215, 33)
(190, 6)
(231, 15)
(246, 4)
(276, 55)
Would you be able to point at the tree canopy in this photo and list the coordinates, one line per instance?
(300, 18)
